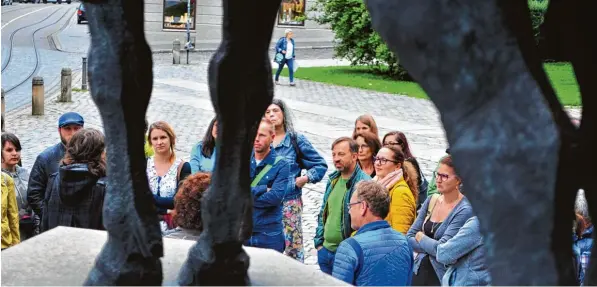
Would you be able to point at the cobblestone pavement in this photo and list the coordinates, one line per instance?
(322, 112)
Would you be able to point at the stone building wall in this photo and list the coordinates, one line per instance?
(207, 33)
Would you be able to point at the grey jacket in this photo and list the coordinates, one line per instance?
(465, 255)
(428, 246)
(21, 179)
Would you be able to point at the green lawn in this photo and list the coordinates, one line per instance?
(561, 75)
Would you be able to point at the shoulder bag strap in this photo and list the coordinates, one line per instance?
(432, 203)
(264, 171)
(297, 150)
(357, 248)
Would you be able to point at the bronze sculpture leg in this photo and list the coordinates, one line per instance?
(120, 65)
(241, 88)
(501, 132)
(570, 27)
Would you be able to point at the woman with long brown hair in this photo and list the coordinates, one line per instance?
(400, 178)
(398, 139)
(365, 123)
(77, 190)
(165, 171)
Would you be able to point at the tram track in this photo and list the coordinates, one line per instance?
(35, 48)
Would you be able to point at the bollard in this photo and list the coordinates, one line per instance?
(37, 96)
(84, 76)
(176, 52)
(65, 85)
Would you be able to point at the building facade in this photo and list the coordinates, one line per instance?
(165, 21)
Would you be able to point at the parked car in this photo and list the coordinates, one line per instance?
(81, 16)
(6, 2)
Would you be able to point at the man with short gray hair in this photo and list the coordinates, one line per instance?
(376, 255)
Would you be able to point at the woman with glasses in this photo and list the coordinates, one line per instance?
(398, 139)
(369, 145)
(400, 178)
(440, 218)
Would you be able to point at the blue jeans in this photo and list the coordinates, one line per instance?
(268, 240)
(325, 259)
(290, 63)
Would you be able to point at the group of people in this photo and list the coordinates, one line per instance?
(380, 223)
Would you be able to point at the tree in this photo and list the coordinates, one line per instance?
(356, 40)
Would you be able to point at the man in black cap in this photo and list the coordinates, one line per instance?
(48, 161)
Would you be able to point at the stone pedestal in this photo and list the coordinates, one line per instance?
(63, 256)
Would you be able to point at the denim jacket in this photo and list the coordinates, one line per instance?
(582, 252)
(357, 176)
(428, 246)
(267, 205)
(282, 44)
(387, 257)
(311, 160)
(200, 163)
(465, 255)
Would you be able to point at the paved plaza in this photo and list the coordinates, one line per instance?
(180, 96)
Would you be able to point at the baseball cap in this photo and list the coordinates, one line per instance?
(70, 118)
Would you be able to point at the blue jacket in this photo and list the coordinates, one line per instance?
(465, 255)
(282, 45)
(387, 259)
(428, 246)
(582, 249)
(200, 163)
(310, 160)
(46, 164)
(357, 175)
(267, 205)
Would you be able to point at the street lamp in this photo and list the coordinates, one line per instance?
(188, 46)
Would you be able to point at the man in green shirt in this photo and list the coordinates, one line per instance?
(333, 222)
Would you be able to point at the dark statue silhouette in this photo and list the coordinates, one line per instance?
(512, 142)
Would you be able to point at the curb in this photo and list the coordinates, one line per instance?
(207, 50)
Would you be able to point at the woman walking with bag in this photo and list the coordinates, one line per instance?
(285, 54)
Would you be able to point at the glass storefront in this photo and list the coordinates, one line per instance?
(176, 14)
(292, 13)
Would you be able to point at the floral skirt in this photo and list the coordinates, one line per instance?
(292, 214)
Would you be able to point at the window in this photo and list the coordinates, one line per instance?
(292, 13)
(176, 16)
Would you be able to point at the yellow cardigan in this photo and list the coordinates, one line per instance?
(10, 213)
(403, 208)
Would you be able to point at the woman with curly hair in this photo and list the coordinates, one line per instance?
(77, 190)
(187, 207)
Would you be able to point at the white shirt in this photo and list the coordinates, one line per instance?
(289, 49)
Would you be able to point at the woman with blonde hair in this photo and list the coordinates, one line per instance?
(165, 171)
(400, 178)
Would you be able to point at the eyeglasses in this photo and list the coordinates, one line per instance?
(353, 203)
(441, 176)
(363, 146)
(392, 143)
(382, 160)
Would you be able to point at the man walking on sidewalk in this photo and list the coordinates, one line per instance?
(333, 222)
(48, 162)
(269, 183)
